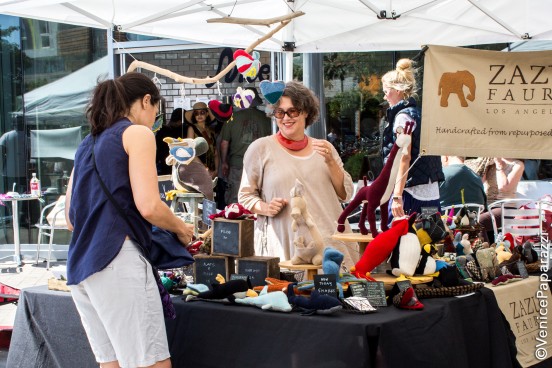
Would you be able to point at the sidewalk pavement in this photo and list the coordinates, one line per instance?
(29, 275)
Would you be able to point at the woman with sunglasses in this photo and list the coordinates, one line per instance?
(272, 165)
(199, 120)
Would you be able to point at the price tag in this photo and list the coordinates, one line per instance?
(237, 276)
(358, 289)
(376, 293)
(326, 284)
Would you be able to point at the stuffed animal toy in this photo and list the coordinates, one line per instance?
(410, 258)
(457, 244)
(406, 299)
(308, 241)
(225, 290)
(188, 173)
(276, 301)
(247, 64)
(273, 284)
(234, 211)
(466, 244)
(509, 242)
(502, 254)
(378, 193)
(272, 91)
(380, 248)
(486, 257)
(317, 303)
(528, 254)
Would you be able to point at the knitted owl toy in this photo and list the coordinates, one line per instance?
(377, 194)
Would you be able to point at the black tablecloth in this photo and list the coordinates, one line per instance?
(451, 332)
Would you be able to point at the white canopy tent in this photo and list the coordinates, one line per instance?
(328, 25)
(67, 96)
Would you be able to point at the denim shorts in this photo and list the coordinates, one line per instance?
(121, 311)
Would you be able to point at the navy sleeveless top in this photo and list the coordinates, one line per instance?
(99, 230)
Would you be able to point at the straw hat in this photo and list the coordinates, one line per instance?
(198, 106)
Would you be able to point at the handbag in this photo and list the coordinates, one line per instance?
(166, 250)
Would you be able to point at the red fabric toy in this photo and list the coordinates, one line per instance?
(379, 249)
(234, 211)
(379, 192)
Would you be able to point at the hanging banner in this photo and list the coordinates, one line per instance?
(479, 103)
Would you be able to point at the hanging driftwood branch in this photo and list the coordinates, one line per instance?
(255, 22)
(183, 79)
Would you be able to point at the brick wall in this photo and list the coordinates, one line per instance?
(199, 63)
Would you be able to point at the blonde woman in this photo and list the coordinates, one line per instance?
(420, 187)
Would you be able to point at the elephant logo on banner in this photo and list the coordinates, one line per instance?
(454, 83)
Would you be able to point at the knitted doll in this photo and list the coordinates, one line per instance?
(377, 194)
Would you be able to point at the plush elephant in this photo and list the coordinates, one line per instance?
(454, 83)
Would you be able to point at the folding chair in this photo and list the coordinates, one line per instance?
(52, 218)
(522, 217)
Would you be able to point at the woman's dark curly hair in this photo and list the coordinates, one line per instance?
(302, 99)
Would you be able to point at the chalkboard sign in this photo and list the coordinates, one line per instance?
(522, 269)
(376, 293)
(259, 268)
(206, 268)
(209, 208)
(237, 276)
(164, 183)
(358, 289)
(233, 238)
(326, 284)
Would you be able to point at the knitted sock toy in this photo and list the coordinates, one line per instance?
(406, 254)
(276, 301)
(377, 194)
(317, 303)
(225, 290)
(407, 300)
(379, 249)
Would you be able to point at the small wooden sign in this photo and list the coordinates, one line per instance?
(259, 268)
(326, 284)
(522, 269)
(233, 238)
(376, 293)
(358, 289)
(237, 276)
(206, 268)
(164, 183)
(209, 208)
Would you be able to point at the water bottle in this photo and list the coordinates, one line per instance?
(64, 182)
(35, 186)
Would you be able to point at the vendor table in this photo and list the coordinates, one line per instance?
(449, 332)
(15, 221)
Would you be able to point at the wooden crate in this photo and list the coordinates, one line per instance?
(60, 285)
(207, 267)
(258, 268)
(233, 238)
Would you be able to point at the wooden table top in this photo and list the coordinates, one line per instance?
(356, 237)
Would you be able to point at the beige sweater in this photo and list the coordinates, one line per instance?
(269, 171)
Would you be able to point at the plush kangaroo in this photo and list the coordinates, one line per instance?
(309, 245)
(378, 193)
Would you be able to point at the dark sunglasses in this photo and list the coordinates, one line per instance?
(292, 113)
(200, 112)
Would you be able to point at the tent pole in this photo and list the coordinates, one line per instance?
(110, 53)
